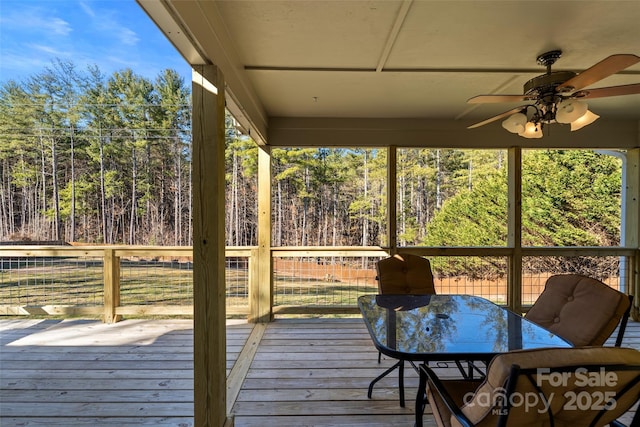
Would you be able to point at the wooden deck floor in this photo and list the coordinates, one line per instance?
(140, 373)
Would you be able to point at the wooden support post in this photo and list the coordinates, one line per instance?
(632, 221)
(209, 318)
(262, 299)
(514, 229)
(392, 195)
(111, 276)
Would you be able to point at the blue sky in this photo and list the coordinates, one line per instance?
(112, 34)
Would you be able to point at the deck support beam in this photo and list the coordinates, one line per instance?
(111, 276)
(514, 229)
(261, 292)
(631, 216)
(392, 195)
(210, 379)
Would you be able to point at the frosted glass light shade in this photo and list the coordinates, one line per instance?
(585, 119)
(531, 130)
(569, 111)
(515, 123)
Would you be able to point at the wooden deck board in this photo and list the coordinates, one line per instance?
(310, 374)
(295, 372)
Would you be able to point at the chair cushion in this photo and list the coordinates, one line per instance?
(405, 274)
(481, 412)
(580, 309)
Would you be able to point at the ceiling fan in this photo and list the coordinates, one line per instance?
(557, 96)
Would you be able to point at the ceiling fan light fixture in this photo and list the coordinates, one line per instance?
(586, 119)
(531, 131)
(515, 123)
(557, 95)
(568, 111)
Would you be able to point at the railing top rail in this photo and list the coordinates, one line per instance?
(50, 251)
(311, 251)
(373, 251)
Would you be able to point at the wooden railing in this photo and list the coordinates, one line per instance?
(116, 281)
(43, 280)
(516, 287)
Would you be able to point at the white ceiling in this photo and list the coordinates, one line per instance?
(394, 58)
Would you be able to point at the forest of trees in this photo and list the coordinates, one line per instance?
(91, 158)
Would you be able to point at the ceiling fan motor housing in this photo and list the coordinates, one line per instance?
(547, 83)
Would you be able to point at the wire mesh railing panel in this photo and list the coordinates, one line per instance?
(79, 281)
(323, 280)
(471, 275)
(155, 282)
(237, 280)
(42, 281)
(537, 269)
(340, 280)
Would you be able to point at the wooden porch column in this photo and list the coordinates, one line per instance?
(111, 275)
(209, 317)
(632, 236)
(261, 295)
(392, 195)
(514, 229)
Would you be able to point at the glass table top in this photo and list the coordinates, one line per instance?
(425, 327)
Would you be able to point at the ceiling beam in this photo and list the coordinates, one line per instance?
(393, 36)
(423, 133)
(535, 71)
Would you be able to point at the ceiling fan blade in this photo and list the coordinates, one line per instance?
(603, 92)
(492, 99)
(599, 71)
(498, 117)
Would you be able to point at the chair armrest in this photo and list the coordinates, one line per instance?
(434, 382)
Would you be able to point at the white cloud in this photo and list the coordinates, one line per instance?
(127, 36)
(47, 49)
(57, 26)
(87, 9)
(123, 62)
(107, 22)
(36, 20)
(20, 66)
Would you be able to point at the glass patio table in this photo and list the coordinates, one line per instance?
(455, 328)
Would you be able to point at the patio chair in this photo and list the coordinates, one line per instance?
(562, 387)
(402, 274)
(582, 310)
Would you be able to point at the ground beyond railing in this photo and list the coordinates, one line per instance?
(116, 281)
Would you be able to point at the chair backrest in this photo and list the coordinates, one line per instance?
(586, 386)
(580, 309)
(405, 274)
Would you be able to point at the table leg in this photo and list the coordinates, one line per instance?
(421, 396)
(381, 376)
(401, 382)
